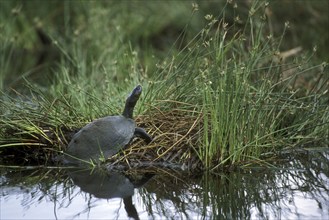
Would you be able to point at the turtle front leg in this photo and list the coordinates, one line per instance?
(140, 132)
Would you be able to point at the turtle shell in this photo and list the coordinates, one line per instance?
(102, 137)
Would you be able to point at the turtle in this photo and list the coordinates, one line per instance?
(106, 136)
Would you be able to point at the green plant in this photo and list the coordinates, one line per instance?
(226, 96)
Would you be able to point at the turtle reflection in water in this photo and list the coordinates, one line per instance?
(104, 137)
(108, 185)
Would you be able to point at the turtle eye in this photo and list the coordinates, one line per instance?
(137, 90)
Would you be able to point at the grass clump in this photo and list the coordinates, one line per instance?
(225, 96)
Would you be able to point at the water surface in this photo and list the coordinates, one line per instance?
(298, 188)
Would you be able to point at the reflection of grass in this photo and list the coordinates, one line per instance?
(223, 96)
(244, 194)
(241, 194)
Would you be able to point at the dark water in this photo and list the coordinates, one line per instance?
(297, 189)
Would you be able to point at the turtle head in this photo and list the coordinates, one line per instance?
(131, 102)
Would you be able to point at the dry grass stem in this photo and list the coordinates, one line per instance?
(176, 135)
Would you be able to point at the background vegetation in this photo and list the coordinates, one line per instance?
(225, 82)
